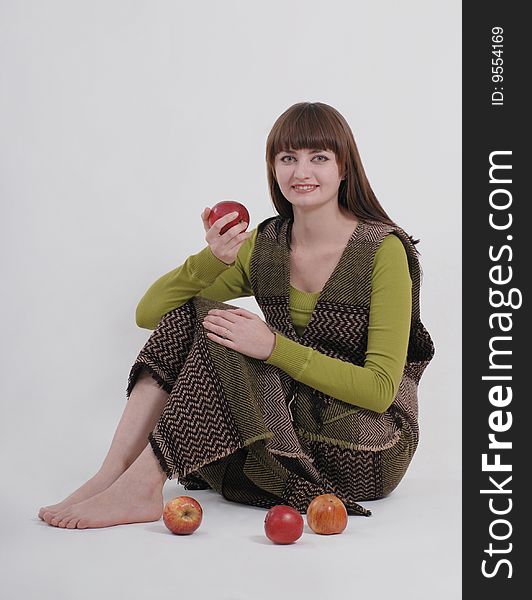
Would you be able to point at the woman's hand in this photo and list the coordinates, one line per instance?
(225, 247)
(243, 331)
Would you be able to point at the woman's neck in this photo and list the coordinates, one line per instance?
(317, 230)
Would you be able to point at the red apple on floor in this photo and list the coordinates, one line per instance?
(283, 524)
(327, 514)
(182, 515)
(225, 207)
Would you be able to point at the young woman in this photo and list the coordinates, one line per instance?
(321, 397)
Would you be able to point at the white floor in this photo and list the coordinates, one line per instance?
(408, 548)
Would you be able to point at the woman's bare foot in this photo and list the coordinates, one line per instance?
(141, 413)
(135, 497)
(96, 484)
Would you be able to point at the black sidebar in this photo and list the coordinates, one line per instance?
(497, 268)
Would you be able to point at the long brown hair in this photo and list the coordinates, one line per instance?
(318, 125)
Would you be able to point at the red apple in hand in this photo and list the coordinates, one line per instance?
(182, 515)
(327, 514)
(225, 207)
(283, 524)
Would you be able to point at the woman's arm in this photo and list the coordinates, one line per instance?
(374, 385)
(202, 274)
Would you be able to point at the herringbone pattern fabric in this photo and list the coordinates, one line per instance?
(167, 350)
(196, 409)
(226, 424)
(357, 474)
(338, 328)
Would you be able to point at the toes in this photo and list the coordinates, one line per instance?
(72, 523)
(55, 520)
(45, 509)
(82, 524)
(51, 512)
(59, 517)
(53, 517)
(47, 516)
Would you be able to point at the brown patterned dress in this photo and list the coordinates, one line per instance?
(246, 429)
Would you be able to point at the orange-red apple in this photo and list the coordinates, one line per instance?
(182, 515)
(326, 514)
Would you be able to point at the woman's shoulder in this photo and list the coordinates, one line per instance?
(391, 254)
(263, 224)
(391, 244)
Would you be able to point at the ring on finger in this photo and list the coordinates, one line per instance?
(224, 333)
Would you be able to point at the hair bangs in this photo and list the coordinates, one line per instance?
(306, 125)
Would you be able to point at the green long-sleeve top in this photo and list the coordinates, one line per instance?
(372, 386)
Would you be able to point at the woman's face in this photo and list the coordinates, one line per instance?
(306, 167)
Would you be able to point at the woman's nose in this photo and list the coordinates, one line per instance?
(302, 169)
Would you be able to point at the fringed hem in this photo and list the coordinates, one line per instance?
(226, 452)
(355, 509)
(168, 471)
(267, 436)
(291, 454)
(299, 494)
(316, 437)
(135, 369)
(180, 474)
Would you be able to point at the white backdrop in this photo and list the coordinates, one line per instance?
(122, 120)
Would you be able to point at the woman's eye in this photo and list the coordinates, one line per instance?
(317, 156)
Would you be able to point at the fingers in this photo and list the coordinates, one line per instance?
(243, 312)
(217, 328)
(221, 340)
(238, 230)
(219, 316)
(223, 221)
(225, 246)
(229, 239)
(239, 238)
(220, 223)
(205, 218)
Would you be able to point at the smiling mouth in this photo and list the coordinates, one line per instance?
(305, 188)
